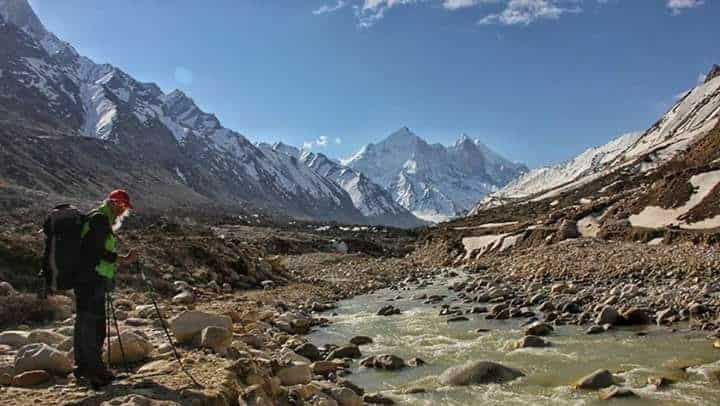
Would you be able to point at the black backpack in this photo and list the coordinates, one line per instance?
(63, 247)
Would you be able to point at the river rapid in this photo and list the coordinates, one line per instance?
(419, 331)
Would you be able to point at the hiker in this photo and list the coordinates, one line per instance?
(95, 277)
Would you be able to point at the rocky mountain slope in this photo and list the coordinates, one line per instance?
(374, 202)
(434, 182)
(371, 199)
(658, 186)
(161, 145)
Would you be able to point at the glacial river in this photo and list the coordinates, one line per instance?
(420, 332)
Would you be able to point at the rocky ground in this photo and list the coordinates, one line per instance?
(241, 297)
(237, 296)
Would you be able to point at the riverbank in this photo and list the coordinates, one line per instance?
(267, 357)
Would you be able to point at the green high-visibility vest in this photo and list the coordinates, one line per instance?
(104, 268)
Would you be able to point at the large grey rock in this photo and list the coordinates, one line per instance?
(14, 338)
(42, 357)
(608, 315)
(531, 342)
(189, 324)
(295, 375)
(348, 351)
(135, 347)
(184, 298)
(602, 378)
(346, 397)
(538, 329)
(309, 351)
(636, 317)
(46, 337)
(216, 338)
(479, 372)
(30, 378)
(384, 361)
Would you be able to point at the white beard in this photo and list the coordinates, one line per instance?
(119, 220)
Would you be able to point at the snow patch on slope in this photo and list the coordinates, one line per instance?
(656, 217)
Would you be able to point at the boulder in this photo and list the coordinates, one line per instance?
(216, 338)
(377, 399)
(45, 337)
(568, 229)
(347, 351)
(184, 298)
(665, 316)
(309, 351)
(42, 357)
(323, 367)
(388, 310)
(30, 378)
(189, 324)
(635, 317)
(295, 375)
(479, 372)
(602, 378)
(361, 340)
(135, 346)
(415, 362)
(531, 342)
(608, 315)
(346, 397)
(384, 361)
(538, 328)
(14, 338)
(616, 392)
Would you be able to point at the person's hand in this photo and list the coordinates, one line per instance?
(130, 257)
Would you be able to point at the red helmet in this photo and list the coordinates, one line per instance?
(120, 196)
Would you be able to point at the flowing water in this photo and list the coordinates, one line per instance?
(420, 332)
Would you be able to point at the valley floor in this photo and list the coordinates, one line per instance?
(222, 270)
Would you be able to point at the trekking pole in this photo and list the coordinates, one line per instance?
(107, 330)
(117, 330)
(151, 293)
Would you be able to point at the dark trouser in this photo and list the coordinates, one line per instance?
(89, 328)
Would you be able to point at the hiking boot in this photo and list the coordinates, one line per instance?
(93, 380)
(106, 374)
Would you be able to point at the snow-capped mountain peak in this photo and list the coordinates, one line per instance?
(19, 13)
(433, 181)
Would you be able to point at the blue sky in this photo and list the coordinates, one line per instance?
(537, 80)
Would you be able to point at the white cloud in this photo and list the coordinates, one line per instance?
(327, 8)
(321, 142)
(528, 11)
(677, 6)
(505, 12)
(369, 12)
(456, 4)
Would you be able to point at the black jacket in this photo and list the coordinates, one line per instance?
(93, 248)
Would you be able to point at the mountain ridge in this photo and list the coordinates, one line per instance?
(433, 181)
(45, 81)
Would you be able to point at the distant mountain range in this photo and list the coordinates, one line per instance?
(76, 128)
(433, 181)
